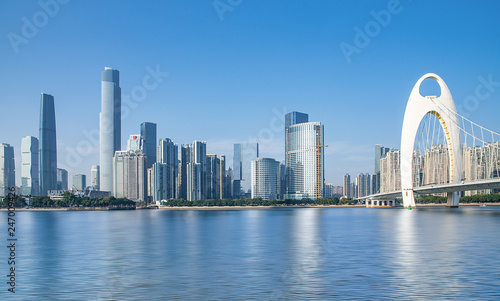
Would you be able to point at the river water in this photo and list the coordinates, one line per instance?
(256, 254)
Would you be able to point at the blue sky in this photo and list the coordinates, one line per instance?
(232, 74)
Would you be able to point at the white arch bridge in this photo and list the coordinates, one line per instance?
(463, 142)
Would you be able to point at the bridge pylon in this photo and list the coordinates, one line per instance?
(416, 109)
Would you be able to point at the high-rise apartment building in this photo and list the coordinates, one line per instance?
(30, 183)
(347, 186)
(184, 157)
(47, 144)
(62, 179)
(109, 125)
(265, 173)
(130, 175)
(194, 181)
(363, 185)
(380, 153)
(148, 133)
(167, 154)
(157, 182)
(7, 169)
(390, 172)
(222, 177)
(199, 156)
(305, 161)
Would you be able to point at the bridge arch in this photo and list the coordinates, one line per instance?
(416, 109)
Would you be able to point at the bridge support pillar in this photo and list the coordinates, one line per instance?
(453, 200)
(408, 198)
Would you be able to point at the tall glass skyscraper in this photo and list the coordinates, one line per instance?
(265, 179)
(30, 183)
(199, 156)
(109, 125)
(62, 179)
(148, 133)
(7, 169)
(242, 159)
(48, 146)
(305, 161)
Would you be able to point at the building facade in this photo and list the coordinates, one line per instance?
(168, 154)
(130, 175)
(30, 183)
(305, 161)
(80, 182)
(62, 179)
(94, 177)
(148, 133)
(7, 169)
(109, 125)
(265, 173)
(47, 143)
(244, 153)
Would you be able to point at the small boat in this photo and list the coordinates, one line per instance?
(483, 205)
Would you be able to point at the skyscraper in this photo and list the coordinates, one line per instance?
(265, 178)
(94, 177)
(292, 118)
(184, 159)
(380, 153)
(130, 175)
(48, 146)
(167, 154)
(305, 161)
(347, 186)
(135, 142)
(109, 125)
(30, 183)
(148, 133)
(199, 156)
(213, 177)
(194, 180)
(80, 182)
(222, 177)
(62, 179)
(242, 160)
(157, 182)
(7, 169)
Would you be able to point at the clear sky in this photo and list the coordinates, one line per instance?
(236, 67)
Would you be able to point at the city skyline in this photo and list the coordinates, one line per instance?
(299, 66)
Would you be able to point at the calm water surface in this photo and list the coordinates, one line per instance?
(257, 254)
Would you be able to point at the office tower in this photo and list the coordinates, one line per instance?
(347, 186)
(94, 177)
(213, 177)
(380, 153)
(242, 160)
(184, 156)
(157, 182)
(167, 154)
(62, 179)
(199, 155)
(79, 182)
(292, 118)
(265, 175)
(229, 183)
(109, 125)
(148, 133)
(47, 144)
(30, 183)
(135, 142)
(305, 161)
(130, 175)
(222, 177)
(282, 181)
(7, 169)
(194, 181)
